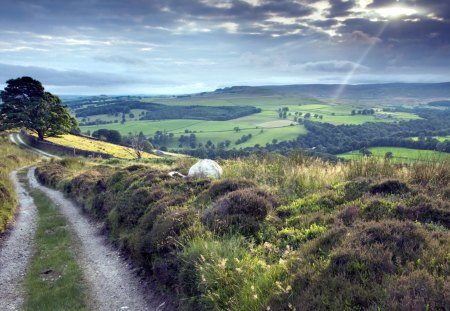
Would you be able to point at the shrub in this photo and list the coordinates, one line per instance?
(315, 202)
(426, 212)
(241, 210)
(418, 291)
(390, 186)
(446, 193)
(164, 236)
(51, 173)
(404, 240)
(356, 188)
(347, 269)
(295, 237)
(222, 187)
(349, 215)
(377, 209)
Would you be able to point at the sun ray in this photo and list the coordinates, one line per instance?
(360, 60)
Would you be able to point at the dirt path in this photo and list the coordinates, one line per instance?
(112, 283)
(16, 139)
(16, 250)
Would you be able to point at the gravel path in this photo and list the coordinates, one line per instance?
(111, 281)
(16, 250)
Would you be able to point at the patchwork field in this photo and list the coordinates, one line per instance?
(400, 154)
(216, 131)
(264, 127)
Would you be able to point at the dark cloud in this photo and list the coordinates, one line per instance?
(340, 8)
(112, 42)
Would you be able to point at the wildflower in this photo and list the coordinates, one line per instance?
(223, 263)
(203, 278)
(255, 296)
(253, 288)
(238, 270)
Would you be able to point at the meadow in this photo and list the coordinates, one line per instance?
(268, 120)
(400, 154)
(82, 143)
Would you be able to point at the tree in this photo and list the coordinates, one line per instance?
(139, 144)
(365, 152)
(388, 155)
(27, 104)
(112, 136)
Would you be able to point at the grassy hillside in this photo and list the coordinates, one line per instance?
(400, 154)
(278, 233)
(267, 120)
(83, 143)
(11, 158)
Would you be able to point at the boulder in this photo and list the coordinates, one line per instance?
(206, 168)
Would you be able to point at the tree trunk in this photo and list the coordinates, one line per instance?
(40, 134)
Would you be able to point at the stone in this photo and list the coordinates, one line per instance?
(206, 168)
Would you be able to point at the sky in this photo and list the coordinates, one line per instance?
(85, 47)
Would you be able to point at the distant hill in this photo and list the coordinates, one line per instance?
(416, 91)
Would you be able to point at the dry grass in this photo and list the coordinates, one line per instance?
(82, 143)
(11, 157)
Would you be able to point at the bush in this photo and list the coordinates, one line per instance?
(418, 291)
(349, 215)
(164, 236)
(51, 173)
(241, 210)
(426, 213)
(390, 186)
(348, 269)
(222, 187)
(326, 202)
(356, 189)
(377, 209)
(446, 193)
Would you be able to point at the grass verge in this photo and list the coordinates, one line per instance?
(54, 280)
(11, 157)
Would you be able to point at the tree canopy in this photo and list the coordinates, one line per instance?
(27, 104)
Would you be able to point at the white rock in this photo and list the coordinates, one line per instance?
(206, 168)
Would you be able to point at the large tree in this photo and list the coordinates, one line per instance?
(27, 104)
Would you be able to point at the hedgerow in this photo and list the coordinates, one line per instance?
(357, 236)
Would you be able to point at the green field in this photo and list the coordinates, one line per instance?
(216, 131)
(400, 154)
(440, 138)
(264, 126)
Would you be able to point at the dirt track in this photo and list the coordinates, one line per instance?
(112, 283)
(16, 250)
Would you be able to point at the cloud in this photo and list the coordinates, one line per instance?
(360, 36)
(61, 78)
(340, 7)
(118, 59)
(101, 43)
(333, 66)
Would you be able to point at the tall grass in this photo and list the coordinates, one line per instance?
(11, 157)
(290, 177)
